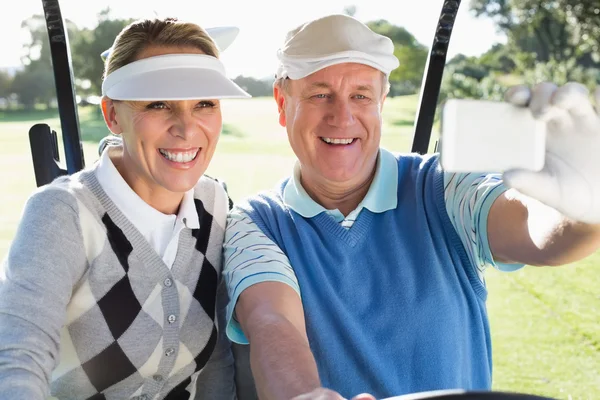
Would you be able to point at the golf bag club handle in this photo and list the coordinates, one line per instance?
(44, 150)
(432, 79)
(65, 89)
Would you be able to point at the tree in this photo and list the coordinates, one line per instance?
(498, 58)
(89, 44)
(551, 29)
(35, 83)
(586, 14)
(350, 10)
(255, 87)
(411, 54)
(5, 84)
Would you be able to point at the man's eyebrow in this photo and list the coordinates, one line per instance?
(321, 85)
(325, 85)
(365, 87)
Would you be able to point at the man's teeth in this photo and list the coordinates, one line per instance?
(337, 141)
(181, 157)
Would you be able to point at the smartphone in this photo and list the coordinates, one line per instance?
(490, 136)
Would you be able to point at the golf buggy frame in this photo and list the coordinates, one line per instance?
(47, 164)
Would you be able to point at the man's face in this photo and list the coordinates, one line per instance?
(333, 120)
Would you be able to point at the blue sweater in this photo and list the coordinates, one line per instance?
(392, 305)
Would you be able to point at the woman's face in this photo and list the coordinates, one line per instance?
(167, 145)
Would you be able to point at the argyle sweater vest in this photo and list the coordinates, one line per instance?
(89, 310)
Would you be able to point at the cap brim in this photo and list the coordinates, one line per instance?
(298, 67)
(319, 65)
(177, 84)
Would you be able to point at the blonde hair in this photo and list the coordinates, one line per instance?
(139, 35)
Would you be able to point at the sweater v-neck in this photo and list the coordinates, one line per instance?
(141, 249)
(353, 235)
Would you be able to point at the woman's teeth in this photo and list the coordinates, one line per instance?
(337, 141)
(180, 157)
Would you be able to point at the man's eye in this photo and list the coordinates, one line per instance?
(157, 105)
(320, 96)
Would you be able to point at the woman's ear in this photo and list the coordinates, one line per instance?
(110, 115)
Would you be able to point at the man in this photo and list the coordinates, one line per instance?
(363, 271)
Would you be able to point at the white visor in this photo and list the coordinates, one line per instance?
(172, 77)
(223, 36)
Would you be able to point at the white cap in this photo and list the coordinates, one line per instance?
(223, 36)
(172, 77)
(331, 40)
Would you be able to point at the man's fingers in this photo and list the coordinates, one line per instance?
(518, 95)
(540, 103)
(321, 394)
(574, 98)
(363, 396)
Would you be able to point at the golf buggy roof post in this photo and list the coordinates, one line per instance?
(43, 140)
(44, 143)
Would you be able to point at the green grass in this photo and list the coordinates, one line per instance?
(545, 322)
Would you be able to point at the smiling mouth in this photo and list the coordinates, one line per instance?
(338, 141)
(180, 156)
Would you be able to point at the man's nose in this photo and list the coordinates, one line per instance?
(341, 115)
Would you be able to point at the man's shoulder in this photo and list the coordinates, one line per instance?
(412, 158)
(412, 164)
(273, 194)
(262, 202)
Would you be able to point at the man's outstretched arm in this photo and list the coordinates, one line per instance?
(265, 311)
(272, 317)
(553, 216)
(522, 230)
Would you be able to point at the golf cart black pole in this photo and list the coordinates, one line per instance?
(65, 89)
(432, 80)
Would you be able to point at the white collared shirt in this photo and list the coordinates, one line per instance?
(160, 230)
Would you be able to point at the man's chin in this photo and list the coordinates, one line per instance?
(340, 175)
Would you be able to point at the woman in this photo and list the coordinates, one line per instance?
(111, 281)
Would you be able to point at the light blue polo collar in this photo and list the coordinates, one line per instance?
(382, 195)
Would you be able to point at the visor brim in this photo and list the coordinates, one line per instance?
(177, 84)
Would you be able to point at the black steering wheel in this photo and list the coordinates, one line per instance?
(468, 395)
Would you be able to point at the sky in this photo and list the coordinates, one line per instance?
(263, 24)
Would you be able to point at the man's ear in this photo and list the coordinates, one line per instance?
(382, 101)
(279, 95)
(110, 115)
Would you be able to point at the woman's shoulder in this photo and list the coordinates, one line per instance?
(213, 195)
(64, 191)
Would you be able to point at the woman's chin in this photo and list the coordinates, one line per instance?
(180, 184)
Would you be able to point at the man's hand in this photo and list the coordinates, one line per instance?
(570, 179)
(326, 394)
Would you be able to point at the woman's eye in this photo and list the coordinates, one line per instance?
(157, 105)
(206, 104)
(360, 96)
